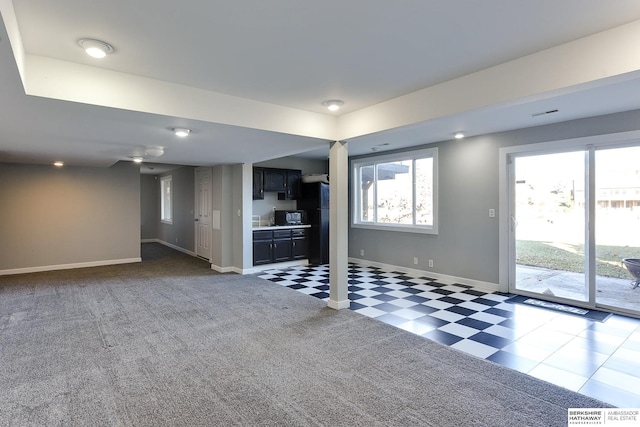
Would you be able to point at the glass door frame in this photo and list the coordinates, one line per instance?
(589, 246)
(507, 264)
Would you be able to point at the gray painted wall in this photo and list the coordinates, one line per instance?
(241, 198)
(73, 215)
(58, 216)
(181, 232)
(149, 206)
(467, 243)
(222, 200)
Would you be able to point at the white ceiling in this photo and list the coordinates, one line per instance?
(274, 62)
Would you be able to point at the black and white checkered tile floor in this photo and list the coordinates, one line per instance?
(599, 359)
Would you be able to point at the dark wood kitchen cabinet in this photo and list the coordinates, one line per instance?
(299, 244)
(285, 182)
(258, 183)
(292, 190)
(262, 247)
(275, 180)
(271, 246)
(282, 245)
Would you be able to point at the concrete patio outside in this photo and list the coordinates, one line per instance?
(609, 291)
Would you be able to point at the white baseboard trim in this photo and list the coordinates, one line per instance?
(162, 242)
(224, 269)
(339, 305)
(442, 278)
(42, 268)
(260, 268)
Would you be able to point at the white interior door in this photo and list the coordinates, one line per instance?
(203, 213)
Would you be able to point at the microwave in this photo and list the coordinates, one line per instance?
(290, 217)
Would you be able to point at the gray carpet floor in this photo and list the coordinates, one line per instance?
(169, 342)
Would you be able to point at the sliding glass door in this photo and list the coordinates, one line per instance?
(617, 231)
(574, 218)
(549, 225)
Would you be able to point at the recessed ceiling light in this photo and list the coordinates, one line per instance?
(458, 135)
(182, 132)
(137, 159)
(95, 48)
(58, 164)
(333, 104)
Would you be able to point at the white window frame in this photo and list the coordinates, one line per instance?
(166, 217)
(357, 164)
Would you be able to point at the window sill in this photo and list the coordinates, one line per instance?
(397, 228)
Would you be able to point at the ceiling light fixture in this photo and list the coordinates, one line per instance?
(458, 135)
(58, 164)
(137, 159)
(333, 104)
(154, 151)
(95, 48)
(182, 132)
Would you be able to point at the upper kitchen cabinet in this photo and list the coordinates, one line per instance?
(275, 180)
(293, 184)
(285, 182)
(258, 183)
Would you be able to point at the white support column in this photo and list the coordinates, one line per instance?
(339, 226)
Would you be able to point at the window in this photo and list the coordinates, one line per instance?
(397, 191)
(166, 206)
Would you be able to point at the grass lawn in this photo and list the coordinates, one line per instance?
(570, 257)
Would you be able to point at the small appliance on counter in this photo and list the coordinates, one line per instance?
(290, 217)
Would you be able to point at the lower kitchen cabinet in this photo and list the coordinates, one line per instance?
(262, 247)
(299, 245)
(282, 245)
(271, 246)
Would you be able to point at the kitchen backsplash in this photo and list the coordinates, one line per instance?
(264, 208)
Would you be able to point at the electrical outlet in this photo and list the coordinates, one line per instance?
(430, 263)
(361, 252)
(492, 213)
(415, 260)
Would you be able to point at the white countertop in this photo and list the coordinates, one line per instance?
(279, 227)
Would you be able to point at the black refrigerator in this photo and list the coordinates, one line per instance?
(314, 198)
